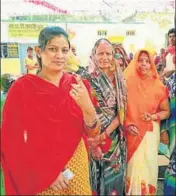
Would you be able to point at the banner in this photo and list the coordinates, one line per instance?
(9, 50)
(116, 39)
(22, 30)
(130, 32)
(47, 5)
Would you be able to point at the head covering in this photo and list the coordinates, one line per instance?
(122, 53)
(120, 83)
(133, 67)
(144, 95)
(118, 56)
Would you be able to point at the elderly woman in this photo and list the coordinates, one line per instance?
(45, 120)
(147, 104)
(108, 150)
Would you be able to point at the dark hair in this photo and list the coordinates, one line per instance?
(160, 67)
(171, 31)
(46, 35)
(29, 49)
(6, 82)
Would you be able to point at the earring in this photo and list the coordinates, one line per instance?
(112, 67)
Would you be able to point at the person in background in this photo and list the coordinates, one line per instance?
(169, 52)
(162, 53)
(168, 75)
(73, 66)
(130, 57)
(170, 125)
(73, 49)
(160, 69)
(108, 150)
(46, 121)
(6, 82)
(120, 50)
(147, 105)
(120, 61)
(30, 63)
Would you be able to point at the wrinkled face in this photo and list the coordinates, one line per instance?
(144, 64)
(54, 56)
(172, 39)
(104, 55)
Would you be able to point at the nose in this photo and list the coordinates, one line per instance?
(144, 63)
(104, 56)
(59, 54)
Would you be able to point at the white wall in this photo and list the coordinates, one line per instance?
(86, 36)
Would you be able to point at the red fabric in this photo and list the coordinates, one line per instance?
(54, 125)
(171, 50)
(105, 147)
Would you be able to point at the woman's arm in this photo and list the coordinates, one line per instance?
(81, 94)
(113, 125)
(164, 111)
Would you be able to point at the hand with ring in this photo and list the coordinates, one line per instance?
(133, 130)
(97, 153)
(147, 116)
(60, 183)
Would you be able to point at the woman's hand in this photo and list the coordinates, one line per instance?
(133, 130)
(147, 117)
(94, 142)
(81, 96)
(97, 153)
(60, 183)
(99, 139)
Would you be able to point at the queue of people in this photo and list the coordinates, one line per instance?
(68, 130)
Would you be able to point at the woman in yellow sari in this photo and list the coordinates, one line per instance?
(147, 104)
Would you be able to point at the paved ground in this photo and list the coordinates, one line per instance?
(163, 162)
(160, 187)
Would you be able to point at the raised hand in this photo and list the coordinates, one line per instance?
(80, 94)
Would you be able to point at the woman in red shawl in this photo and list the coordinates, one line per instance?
(147, 104)
(45, 119)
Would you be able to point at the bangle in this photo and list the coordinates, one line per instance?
(103, 136)
(107, 135)
(91, 125)
(158, 117)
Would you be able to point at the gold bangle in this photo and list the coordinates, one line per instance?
(91, 125)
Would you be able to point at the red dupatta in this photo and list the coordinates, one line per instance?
(52, 123)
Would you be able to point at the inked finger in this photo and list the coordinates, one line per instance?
(79, 81)
(66, 181)
(58, 186)
(73, 95)
(76, 86)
